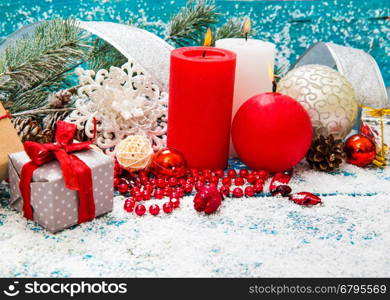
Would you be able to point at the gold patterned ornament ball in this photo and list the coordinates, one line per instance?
(327, 95)
(134, 153)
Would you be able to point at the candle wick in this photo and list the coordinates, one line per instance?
(246, 36)
(204, 53)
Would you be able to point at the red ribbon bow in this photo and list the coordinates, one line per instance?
(77, 175)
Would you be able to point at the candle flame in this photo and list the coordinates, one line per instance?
(247, 26)
(207, 38)
(271, 73)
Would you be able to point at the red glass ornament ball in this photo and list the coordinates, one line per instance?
(238, 193)
(167, 207)
(271, 132)
(140, 209)
(169, 162)
(360, 150)
(154, 209)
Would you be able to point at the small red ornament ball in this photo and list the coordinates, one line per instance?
(271, 132)
(167, 207)
(169, 162)
(360, 150)
(154, 209)
(140, 209)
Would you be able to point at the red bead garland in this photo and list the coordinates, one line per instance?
(143, 186)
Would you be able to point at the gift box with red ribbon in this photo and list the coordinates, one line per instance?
(61, 184)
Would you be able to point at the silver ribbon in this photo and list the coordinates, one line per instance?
(357, 66)
(149, 51)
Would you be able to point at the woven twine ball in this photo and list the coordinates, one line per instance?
(328, 97)
(134, 153)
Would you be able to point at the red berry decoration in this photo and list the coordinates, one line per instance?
(138, 196)
(244, 173)
(123, 188)
(239, 181)
(249, 191)
(161, 183)
(258, 187)
(227, 181)
(154, 209)
(175, 202)
(167, 207)
(208, 199)
(360, 150)
(188, 188)
(238, 193)
(116, 181)
(305, 198)
(129, 204)
(262, 174)
(169, 162)
(198, 185)
(158, 193)
(147, 195)
(231, 173)
(172, 181)
(281, 190)
(251, 178)
(271, 132)
(225, 190)
(140, 209)
(219, 173)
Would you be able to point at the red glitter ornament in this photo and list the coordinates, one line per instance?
(360, 150)
(271, 132)
(154, 209)
(169, 162)
(140, 209)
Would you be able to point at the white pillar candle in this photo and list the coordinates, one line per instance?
(254, 69)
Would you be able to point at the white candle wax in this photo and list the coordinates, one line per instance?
(254, 63)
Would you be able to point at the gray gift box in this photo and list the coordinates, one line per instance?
(54, 206)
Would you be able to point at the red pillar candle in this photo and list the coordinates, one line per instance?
(200, 105)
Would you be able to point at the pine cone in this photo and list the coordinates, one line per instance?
(326, 153)
(60, 99)
(50, 121)
(29, 129)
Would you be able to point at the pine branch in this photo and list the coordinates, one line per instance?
(191, 23)
(233, 28)
(37, 65)
(103, 56)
